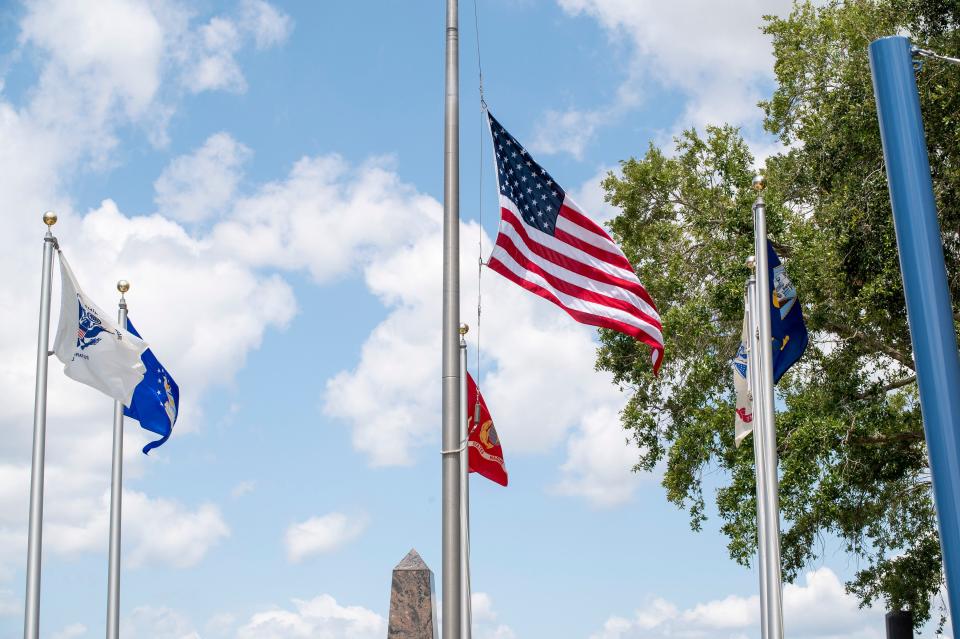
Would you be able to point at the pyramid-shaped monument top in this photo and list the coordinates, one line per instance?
(412, 561)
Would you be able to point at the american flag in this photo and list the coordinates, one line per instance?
(548, 246)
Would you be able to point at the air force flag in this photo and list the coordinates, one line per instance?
(94, 350)
(155, 400)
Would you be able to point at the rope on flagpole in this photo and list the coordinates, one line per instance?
(483, 111)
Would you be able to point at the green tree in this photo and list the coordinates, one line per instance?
(852, 456)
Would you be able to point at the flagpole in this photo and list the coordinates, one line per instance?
(116, 494)
(451, 319)
(465, 590)
(31, 614)
(768, 440)
(758, 459)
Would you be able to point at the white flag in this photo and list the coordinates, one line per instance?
(94, 350)
(743, 422)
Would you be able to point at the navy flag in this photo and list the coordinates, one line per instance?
(787, 329)
(155, 400)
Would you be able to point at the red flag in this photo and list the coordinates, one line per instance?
(484, 454)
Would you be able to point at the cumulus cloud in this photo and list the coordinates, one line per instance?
(198, 186)
(322, 534)
(321, 616)
(391, 397)
(820, 608)
(721, 63)
(485, 622)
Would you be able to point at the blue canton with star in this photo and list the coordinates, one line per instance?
(524, 182)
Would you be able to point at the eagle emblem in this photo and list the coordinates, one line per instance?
(89, 327)
(784, 293)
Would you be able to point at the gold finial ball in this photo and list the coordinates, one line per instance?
(464, 329)
(123, 286)
(49, 218)
(759, 183)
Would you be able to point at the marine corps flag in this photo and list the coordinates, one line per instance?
(484, 453)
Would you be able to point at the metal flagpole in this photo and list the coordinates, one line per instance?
(116, 493)
(451, 320)
(465, 603)
(31, 615)
(758, 459)
(764, 400)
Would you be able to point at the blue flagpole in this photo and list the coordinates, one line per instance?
(929, 309)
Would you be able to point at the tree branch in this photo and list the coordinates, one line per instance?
(880, 390)
(909, 436)
(874, 344)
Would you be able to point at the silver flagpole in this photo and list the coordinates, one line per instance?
(451, 320)
(765, 401)
(116, 493)
(31, 614)
(753, 382)
(465, 603)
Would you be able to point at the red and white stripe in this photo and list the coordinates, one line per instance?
(580, 269)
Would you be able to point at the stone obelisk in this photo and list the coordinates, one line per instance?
(413, 614)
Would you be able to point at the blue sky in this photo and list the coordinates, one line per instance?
(268, 177)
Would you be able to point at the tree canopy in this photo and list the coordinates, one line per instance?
(853, 461)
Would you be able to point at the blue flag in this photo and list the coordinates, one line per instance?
(787, 329)
(156, 399)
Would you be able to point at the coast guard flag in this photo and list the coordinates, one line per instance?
(484, 453)
(788, 332)
(156, 398)
(94, 350)
(548, 246)
(743, 422)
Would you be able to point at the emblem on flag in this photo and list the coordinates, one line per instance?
(156, 400)
(89, 327)
(484, 453)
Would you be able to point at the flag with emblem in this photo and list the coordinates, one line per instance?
(787, 328)
(484, 453)
(156, 400)
(788, 334)
(94, 350)
(743, 421)
(547, 245)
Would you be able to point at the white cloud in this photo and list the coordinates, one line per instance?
(485, 624)
(321, 616)
(720, 62)
(157, 622)
(10, 605)
(391, 397)
(820, 608)
(322, 534)
(155, 530)
(570, 131)
(266, 23)
(198, 186)
(72, 631)
(599, 459)
(217, 67)
(243, 488)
